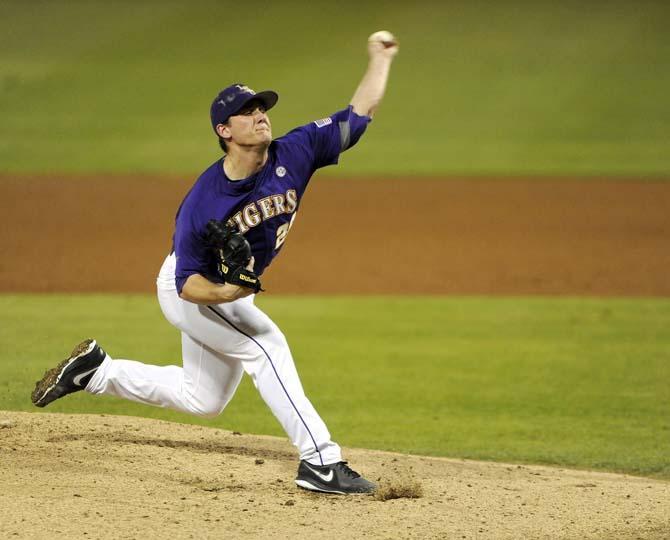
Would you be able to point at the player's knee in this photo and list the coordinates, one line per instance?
(210, 408)
(274, 336)
(208, 412)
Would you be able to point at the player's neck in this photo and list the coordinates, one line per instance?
(244, 162)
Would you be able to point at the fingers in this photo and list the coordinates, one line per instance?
(250, 266)
(384, 37)
(377, 50)
(383, 43)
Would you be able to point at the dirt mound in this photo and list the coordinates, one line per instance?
(98, 476)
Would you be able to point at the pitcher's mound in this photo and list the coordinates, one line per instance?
(98, 476)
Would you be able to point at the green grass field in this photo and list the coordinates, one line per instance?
(518, 87)
(575, 382)
(479, 87)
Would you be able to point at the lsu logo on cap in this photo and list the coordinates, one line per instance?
(323, 122)
(245, 88)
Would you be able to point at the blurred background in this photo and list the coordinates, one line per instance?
(481, 87)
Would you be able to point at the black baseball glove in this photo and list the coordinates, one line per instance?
(233, 253)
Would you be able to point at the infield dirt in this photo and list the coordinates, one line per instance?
(374, 236)
(110, 477)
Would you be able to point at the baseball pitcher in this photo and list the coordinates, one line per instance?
(228, 229)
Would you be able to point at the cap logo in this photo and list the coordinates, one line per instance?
(245, 88)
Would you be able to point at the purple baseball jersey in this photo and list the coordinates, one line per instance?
(263, 205)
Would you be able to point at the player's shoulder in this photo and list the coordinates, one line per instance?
(303, 135)
(211, 173)
(314, 126)
(207, 180)
(202, 190)
(292, 137)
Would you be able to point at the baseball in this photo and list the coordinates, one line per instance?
(385, 37)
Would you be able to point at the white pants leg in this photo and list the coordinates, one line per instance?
(218, 344)
(203, 386)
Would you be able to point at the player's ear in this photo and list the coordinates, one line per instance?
(223, 131)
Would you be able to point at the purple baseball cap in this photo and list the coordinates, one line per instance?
(232, 99)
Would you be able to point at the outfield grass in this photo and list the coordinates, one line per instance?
(575, 382)
(479, 87)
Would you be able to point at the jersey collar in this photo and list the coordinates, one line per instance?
(237, 187)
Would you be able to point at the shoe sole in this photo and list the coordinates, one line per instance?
(310, 486)
(44, 393)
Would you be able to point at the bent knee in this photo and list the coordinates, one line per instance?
(205, 408)
(274, 336)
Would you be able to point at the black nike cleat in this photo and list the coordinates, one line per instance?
(71, 375)
(335, 478)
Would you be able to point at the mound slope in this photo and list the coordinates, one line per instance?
(98, 476)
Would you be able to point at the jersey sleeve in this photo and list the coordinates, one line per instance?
(190, 251)
(324, 140)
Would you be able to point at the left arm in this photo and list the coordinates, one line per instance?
(382, 48)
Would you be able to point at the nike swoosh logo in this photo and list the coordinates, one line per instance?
(325, 477)
(78, 378)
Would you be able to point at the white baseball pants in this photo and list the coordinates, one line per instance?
(220, 343)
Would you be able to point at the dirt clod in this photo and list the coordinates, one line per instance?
(399, 490)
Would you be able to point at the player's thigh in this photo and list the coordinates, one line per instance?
(210, 377)
(232, 329)
(199, 322)
(247, 319)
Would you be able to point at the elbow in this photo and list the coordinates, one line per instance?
(364, 108)
(199, 290)
(189, 290)
(184, 295)
(361, 108)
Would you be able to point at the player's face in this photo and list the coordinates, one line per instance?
(251, 126)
